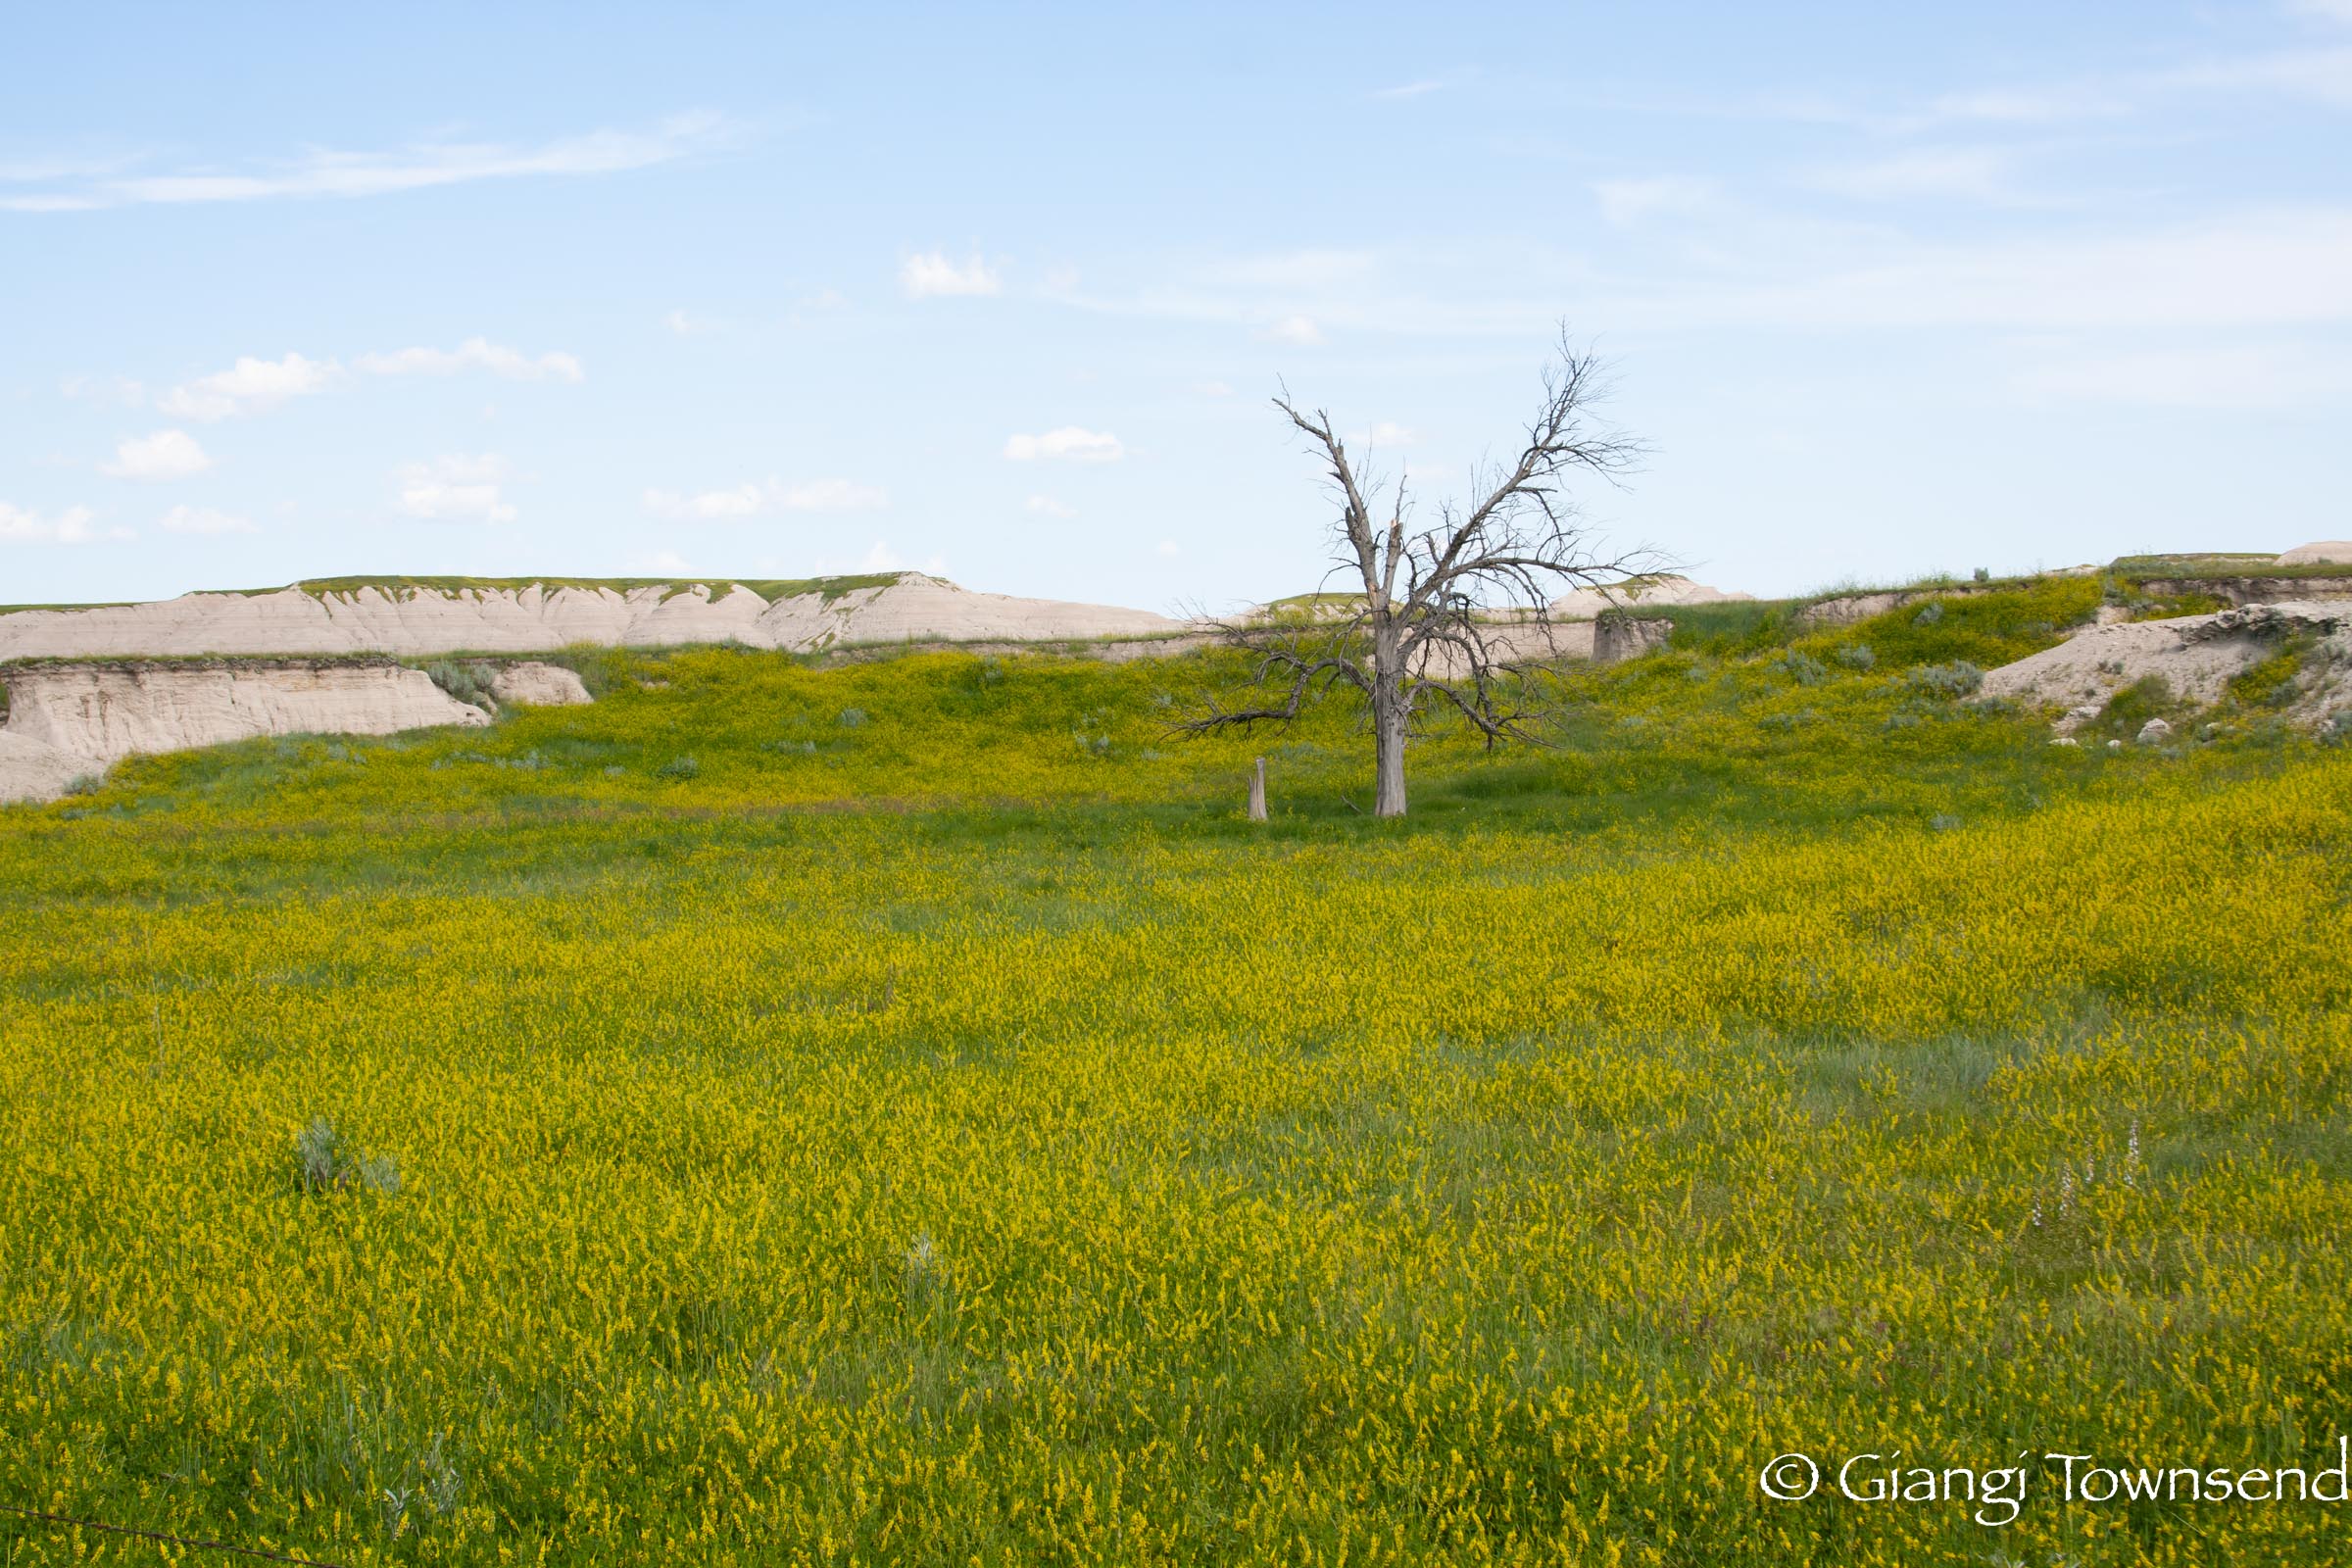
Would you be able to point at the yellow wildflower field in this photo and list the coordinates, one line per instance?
(950, 1135)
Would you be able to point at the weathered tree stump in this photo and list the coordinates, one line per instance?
(1257, 792)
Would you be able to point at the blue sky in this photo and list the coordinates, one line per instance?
(1003, 292)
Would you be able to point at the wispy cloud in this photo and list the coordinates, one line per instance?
(1627, 203)
(2261, 377)
(934, 276)
(475, 354)
(1299, 331)
(1070, 442)
(758, 498)
(1421, 88)
(1048, 506)
(71, 527)
(328, 173)
(2323, 75)
(1976, 173)
(104, 389)
(256, 387)
(204, 521)
(165, 455)
(2274, 268)
(456, 489)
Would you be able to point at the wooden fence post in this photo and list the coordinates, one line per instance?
(1257, 792)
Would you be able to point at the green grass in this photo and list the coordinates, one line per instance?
(770, 589)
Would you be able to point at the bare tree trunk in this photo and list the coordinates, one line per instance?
(1387, 754)
(1257, 792)
(1391, 716)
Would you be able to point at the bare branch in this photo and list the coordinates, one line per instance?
(1456, 615)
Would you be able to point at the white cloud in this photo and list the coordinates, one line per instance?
(71, 526)
(1070, 442)
(687, 326)
(456, 489)
(933, 274)
(1298, 330)
(475, 354)
(661, 560)
(1386, 433)
(329, 173)
(1625, 203)
(247, 386)
(165, 455)
(759, 497)
(204, 521)
(1167, 547)
(1048, 506)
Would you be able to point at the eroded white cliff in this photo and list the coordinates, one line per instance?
(70, 719)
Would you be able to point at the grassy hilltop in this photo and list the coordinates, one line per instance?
(899, 1111)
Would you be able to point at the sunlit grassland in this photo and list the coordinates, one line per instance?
(951, 1132)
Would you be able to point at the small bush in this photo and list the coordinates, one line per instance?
(679, 768)
(85, 784)
(1959, 678)
(1800, 668)
(324, 1164)
(852, 717)
(465, 681)
(1930, 616)
(1857, 656)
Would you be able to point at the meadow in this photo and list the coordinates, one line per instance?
(899, 1111)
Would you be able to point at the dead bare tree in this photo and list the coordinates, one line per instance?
(1451, 616)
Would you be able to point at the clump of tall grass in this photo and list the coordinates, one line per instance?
(325, 1162)
(466, 680)
(1959, 678)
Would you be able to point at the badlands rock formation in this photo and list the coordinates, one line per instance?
(2195, 655)
(532, 684)
(31, 771)
(2335, 552)
(1586, 604)
(70, 719)
(536, 618)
